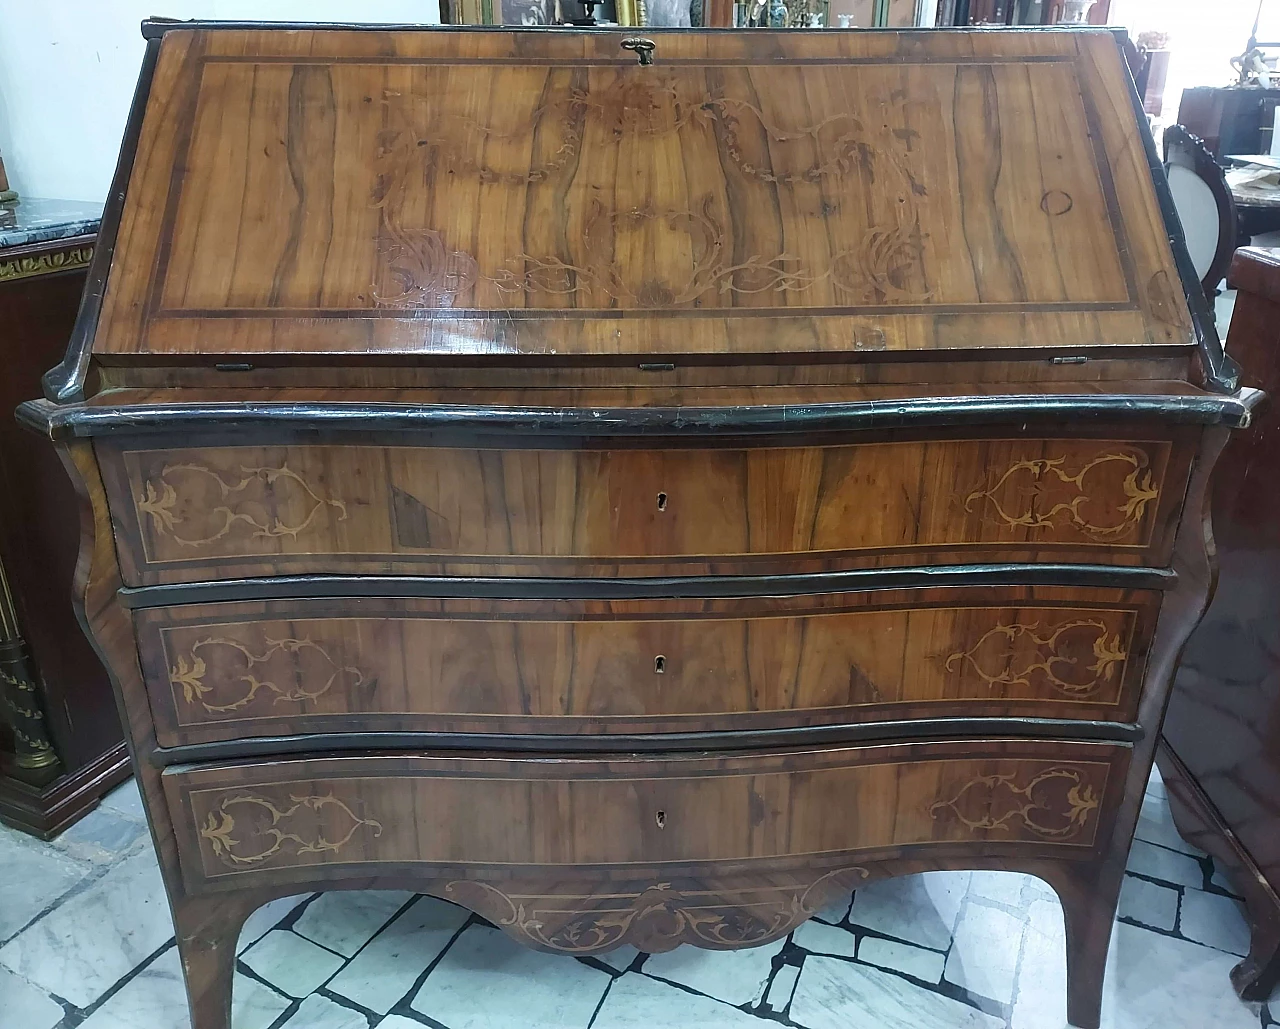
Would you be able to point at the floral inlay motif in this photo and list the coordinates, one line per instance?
(996, 666)
(421, 268)
(878, 271)
(660, 917)
(161, 498)
(997, 802)
(1051, 495)
(189, 671)
(266, 826)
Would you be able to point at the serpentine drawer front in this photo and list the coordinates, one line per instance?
(223, 512)
(329, 817)
(638, 501)
(275, 668)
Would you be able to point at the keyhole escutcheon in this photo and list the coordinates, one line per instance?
(662, 501)
(661, 819)
(660, 664)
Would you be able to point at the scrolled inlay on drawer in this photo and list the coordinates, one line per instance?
(994, 657)
(1020, 495)
(222, 512)
(178, 503)
(189, 671)
(249, 820)
(997, 802)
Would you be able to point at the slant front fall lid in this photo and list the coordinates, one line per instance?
(461, 194)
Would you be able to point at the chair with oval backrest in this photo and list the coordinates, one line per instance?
(1204, 204)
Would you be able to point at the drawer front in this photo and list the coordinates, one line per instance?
(227, 512)
(313, 818)
(275, 668)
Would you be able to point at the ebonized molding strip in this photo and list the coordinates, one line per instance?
(369, 743)
(79, 420)
(521, 588)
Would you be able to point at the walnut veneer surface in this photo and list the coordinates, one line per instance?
(636, 501)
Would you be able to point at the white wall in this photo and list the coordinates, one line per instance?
(68, 70)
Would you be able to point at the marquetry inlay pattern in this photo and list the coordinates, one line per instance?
(246, 829)
(1046, 494)
(212, 505)
(427, 271)
(311, 678)
(1056, 804)
(655, 919)
(994, 659)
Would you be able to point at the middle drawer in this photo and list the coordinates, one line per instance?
(227, 671)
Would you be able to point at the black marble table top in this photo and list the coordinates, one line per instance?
(34, 220)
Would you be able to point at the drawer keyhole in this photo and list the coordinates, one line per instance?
(661, 819)
(660, 664)
(662, 501)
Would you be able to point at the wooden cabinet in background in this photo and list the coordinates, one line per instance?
(70, 750)
(1221, 752)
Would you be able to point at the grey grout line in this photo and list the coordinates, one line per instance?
(402, 1006)
(95, 872)
(603, 997)
(75, 1015)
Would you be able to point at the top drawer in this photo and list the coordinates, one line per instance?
(223, 512)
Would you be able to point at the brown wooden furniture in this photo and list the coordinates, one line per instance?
(61, 744)
(1220, 749)
(638, 486)
(1230, 119)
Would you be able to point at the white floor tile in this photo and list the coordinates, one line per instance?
(488, 981)
(925, 965)
(1152, 982)
(101, 836)
(321, 1013)
(35, 875)
(1166, 865)
(156, 999)
(782, 987)
(1155, 825)
(920, 909)
(398, 1022)
(387, 968)
(733, 976)
(1158, 982)
(84, 947)
(1149, 903)
(1222, 882)
(126, 799)
(1012, 889)
(984, 955)
(23, 1006)
(345, 920)
(254, 1006)
(1215, 921)
(835, 909)
(291, 964)
(621, 958)
(152, 999)
(817, 938)
(1155, 785)
(638, 1002)
(1040, 995)
(266, 918)
(835, 994)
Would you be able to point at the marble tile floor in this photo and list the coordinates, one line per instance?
(85, 940)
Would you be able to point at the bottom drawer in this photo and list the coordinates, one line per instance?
(310, 820)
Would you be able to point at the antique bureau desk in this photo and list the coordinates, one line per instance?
(638, 487)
